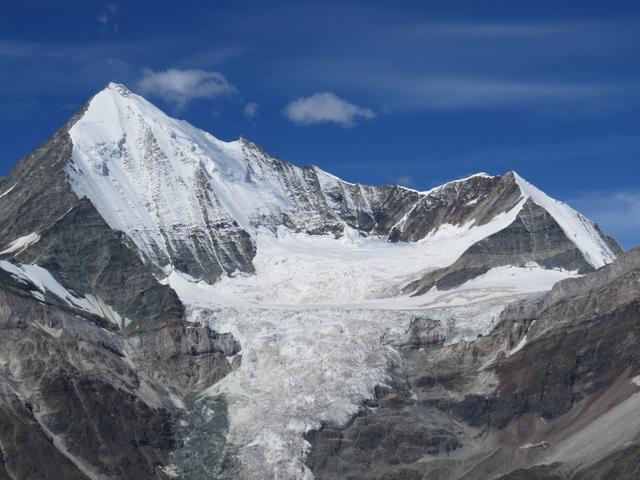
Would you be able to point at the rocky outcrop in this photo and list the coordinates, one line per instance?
(26, 451)
(621, 465)
(78, 401)
(187, 357)
(534, 236)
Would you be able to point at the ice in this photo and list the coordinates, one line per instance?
(299, 369)
(296, 268)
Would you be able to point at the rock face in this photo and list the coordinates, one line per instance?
(109, 368)
(534, 236)
(80, 402)
(554, 374)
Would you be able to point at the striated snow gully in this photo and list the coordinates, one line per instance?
(297, 264)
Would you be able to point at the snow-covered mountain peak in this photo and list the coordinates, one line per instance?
(118, 88)
(194, 203)
(152, 176)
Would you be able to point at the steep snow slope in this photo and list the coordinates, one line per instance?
(44, 282)
(579, 229)
(145, 173)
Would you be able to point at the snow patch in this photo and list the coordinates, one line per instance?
(106, 311)
(460, 180)
(170, 471)
(46, 283)
(8, 190)
(519, 346)
(534, 445)
(21, 243)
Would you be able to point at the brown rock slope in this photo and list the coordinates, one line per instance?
(552, 392)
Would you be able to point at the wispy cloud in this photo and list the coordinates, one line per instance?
(594, 149)
(404, 180)
(325, 107)
(406, 64)
(617, 213)
(107, 16)
(181, 86)
(250, 110)
(479, 92)
(29, 68)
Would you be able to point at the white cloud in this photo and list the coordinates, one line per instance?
(250, 109)
(103, 18)
(325, 107)
(181, 86)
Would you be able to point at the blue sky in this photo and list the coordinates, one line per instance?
(415, 93)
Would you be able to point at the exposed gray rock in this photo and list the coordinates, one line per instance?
(93, 404)
(203, 452)
(188, 357)
(26, 451)
(534, 236)
(621, 465)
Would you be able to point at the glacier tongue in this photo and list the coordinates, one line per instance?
(307, 365)
(312, 322)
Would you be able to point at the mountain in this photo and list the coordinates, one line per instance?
(176, 306)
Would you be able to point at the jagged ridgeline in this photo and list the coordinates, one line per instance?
(177, 306)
